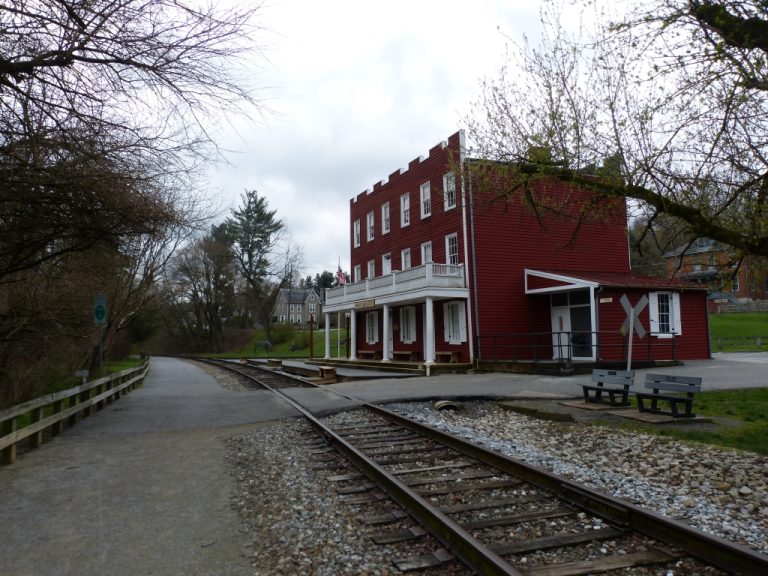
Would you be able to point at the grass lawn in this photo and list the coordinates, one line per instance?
(732, 332)
(297, 345)
(746, 409)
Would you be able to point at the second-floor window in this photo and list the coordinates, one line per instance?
(385, 218)
(426, 252)
(386, 264)
(312, 309)
(371, 268)
(357, 273)
(426, 200)
(405, 210)
(449, 191)
(405, 259)
(356, 227)
(452, 249)
(371, 224)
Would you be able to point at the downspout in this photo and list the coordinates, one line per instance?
(473, 288)
(471, 311)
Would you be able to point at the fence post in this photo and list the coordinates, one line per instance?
(759, 342)
(8, 454)
(37, 438)
(56, 426)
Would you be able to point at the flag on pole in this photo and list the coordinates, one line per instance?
(341, 278)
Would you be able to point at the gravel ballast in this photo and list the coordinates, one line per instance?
(298, 524)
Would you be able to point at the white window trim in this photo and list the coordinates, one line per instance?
(356, 234)
(405, 210)
(372, 327)
(405, 258)
(385, 218)
(423, 250)
(371, 228)
(455, 322)
(386, 264)
(675, 320)
(408, 324)
(425, 200)
(449, 181)
(448, 238)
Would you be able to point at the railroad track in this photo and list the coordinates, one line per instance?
(494, 514)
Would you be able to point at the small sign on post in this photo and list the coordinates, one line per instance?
(100, 310)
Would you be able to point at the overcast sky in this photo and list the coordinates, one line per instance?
(358, 89)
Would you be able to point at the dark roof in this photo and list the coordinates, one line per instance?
(626, 280)
(698, 246)
(295, 295)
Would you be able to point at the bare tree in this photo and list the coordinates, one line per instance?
(666, 106)
(103, 106)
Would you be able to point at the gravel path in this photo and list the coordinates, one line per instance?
(298, 524)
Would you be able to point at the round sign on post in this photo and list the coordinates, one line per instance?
(100, 310)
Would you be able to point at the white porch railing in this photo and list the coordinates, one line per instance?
(425, 276)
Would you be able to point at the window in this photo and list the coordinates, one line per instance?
(452, 249)
(710, 262)
(385, 218)
(426, 252)
(372, 327)
(371, 224)
(405, 259)
(371, 268)
(312, 309)
(664, 313)
(426, 200)
(357, 233)
(408, 324)
(386, 264)
(405, 210)
(449, 191)
(454, 322)
(735, 285)
(357, 273)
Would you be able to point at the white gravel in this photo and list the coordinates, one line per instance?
(298, 525)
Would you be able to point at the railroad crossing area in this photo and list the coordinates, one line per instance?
(142, 486)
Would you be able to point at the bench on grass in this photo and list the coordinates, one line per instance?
(676, 390)
(614, 383)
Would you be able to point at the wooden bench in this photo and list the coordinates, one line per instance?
(404, 355)
(369, 354)
(450, 357)
(676, 390)
(614, 383)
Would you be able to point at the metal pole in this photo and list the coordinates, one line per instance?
(629, 346)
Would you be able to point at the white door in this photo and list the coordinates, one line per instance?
(386, 264)
(561, 329)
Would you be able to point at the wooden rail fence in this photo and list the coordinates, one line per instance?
(50, 412)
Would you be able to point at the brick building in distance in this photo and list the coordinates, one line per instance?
(712, 264)
(448, 268)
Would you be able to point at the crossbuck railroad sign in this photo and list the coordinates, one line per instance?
(632, 323)
(633, 316)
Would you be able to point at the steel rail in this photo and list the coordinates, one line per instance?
(726, 555)
(468, 549)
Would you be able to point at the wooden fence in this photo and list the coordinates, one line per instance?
(51, 412)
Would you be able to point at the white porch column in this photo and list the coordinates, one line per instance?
(429, 340)
(385, 334)
(327, 335)
(352, 335)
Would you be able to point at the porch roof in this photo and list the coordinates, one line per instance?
(539, 281)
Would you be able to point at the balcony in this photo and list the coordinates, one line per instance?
(435, 280)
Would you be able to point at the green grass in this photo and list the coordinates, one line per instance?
(297, 346)
(741, 418)
(738, 331)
